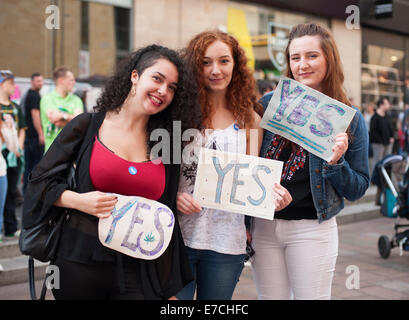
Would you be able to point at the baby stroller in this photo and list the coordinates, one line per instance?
(394, 201)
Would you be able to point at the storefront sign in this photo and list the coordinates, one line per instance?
(277, 40)
(84, 64)
(237, 183)
(383, 9)
(306, 117)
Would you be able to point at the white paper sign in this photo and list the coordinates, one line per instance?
(306, 117)
(138, 227)
(237, 183)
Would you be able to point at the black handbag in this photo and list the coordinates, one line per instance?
(41, 241)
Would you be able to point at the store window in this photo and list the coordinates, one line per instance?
(384, 67)
(122, 32)
(84, 25)
(268, 29)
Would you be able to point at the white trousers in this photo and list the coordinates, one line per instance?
(294, 259)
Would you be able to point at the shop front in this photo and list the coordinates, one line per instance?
(263, 32)
(385, 52)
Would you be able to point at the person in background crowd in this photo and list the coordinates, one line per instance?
(34, 142)
(216, 239)
(8, 136)
(369, 112)
(15, 160)
(406, 92)
(263, 87)
(16, 95)
(296, 253)
(60, 106)
(381, 134)
(403, 122)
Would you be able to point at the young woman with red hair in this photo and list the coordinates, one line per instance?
(215, 239)
(295, 254)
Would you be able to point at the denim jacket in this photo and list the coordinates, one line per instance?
(330, 184)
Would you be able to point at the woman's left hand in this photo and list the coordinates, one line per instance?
(282, 198)
(339, 148)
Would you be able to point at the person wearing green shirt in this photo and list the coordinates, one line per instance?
(60, 106)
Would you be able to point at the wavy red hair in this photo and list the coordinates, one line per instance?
(241, 92)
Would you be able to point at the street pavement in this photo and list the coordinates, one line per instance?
(375, 278)
(379, 279)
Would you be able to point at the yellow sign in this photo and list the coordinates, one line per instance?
(237, 26)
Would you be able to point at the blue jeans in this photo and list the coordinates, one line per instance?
(216, 275)
(3, 194)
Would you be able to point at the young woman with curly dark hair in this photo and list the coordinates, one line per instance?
(215, 239)
(150, 90)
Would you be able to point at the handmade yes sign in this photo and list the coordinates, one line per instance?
(306, 117)
(137, 227)
(236, 182)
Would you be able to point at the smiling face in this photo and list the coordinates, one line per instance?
(218, 65)
(307, 61)
(156, 86)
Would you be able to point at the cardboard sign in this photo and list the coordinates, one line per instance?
(307, 117)
(138, 227)
(237, 183)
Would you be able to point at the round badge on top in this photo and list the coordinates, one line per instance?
(132, 170)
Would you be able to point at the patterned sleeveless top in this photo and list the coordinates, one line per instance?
(216, 230)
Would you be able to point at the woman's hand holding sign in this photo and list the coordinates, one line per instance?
(186, 204)
(95, 203)
(99, 204)
(339, 148)
(282, 198)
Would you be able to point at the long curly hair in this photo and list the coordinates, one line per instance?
(184, 106)
(241, 92)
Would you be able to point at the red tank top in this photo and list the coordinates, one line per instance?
(111, 173)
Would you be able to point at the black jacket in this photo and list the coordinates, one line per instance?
(162, 277)
(380, 129)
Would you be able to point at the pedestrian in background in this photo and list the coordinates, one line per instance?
(381, 134)
(15, 160)
(369, 112)
(404, 127)
(150, 90)
(263, 87)
(296, 253)
(60, 106)
(216, 239)
(8, 136)
(34, 141)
